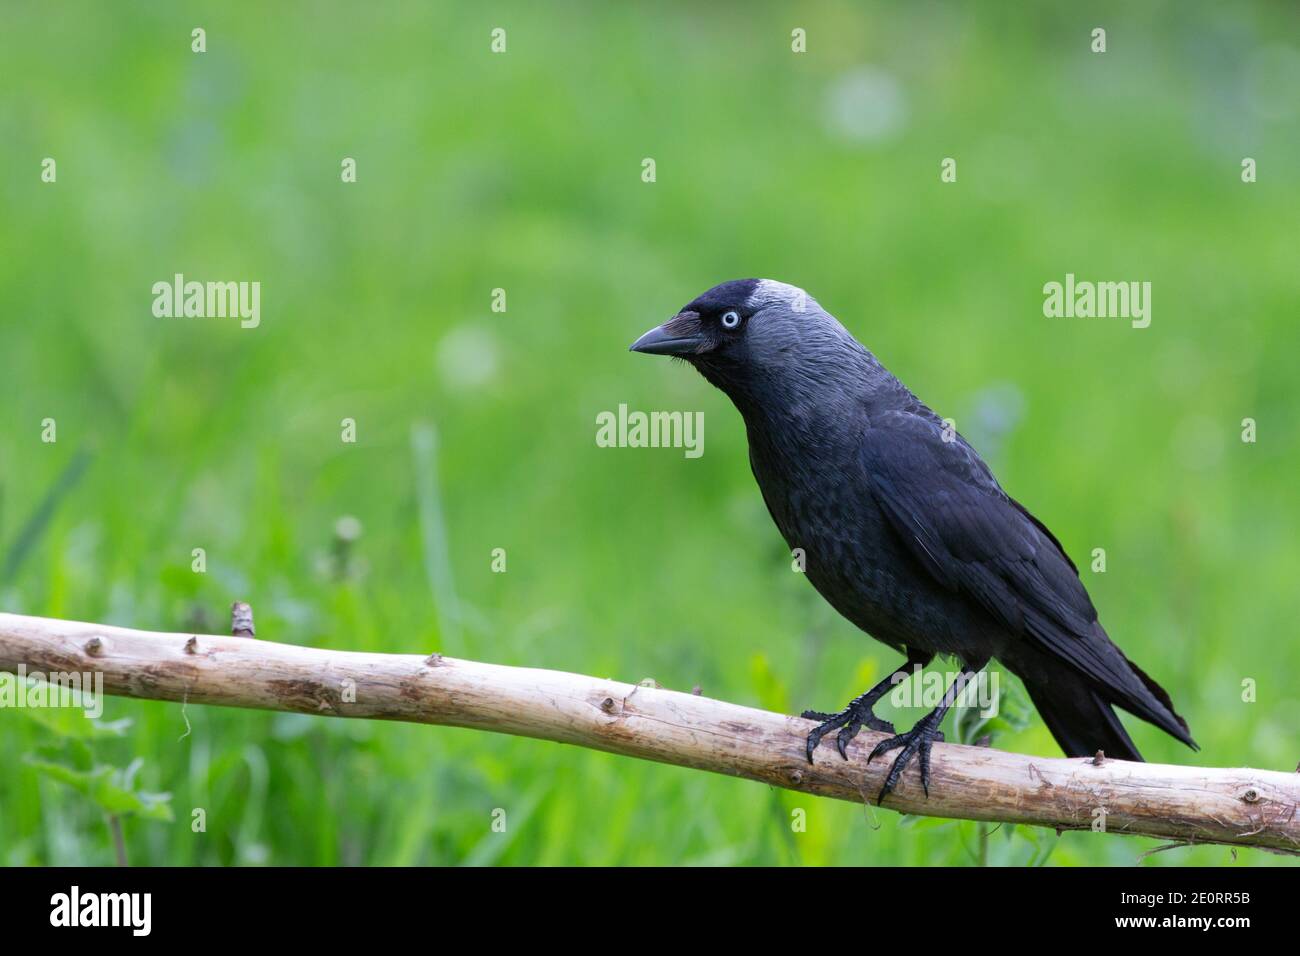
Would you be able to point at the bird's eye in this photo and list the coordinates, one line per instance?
(730, 320)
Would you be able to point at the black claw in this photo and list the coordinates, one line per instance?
(925, 770)
(891, 781)
(845, 735)
(915, 742)
(848, 721)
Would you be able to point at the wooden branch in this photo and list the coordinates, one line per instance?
(1240, 807)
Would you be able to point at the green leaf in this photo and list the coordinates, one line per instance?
(73, 723)
(111, 788)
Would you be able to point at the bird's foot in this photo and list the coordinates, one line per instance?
(915, 741)
(849, 721)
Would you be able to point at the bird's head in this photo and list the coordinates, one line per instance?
(757, 339)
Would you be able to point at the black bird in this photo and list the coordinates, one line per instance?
(904, 529)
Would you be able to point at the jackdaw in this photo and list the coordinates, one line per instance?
(903, 528)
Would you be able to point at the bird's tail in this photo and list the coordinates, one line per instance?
(1076, 705)
(1164, 717)
(1080, 720)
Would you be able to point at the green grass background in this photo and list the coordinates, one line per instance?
(522, 171)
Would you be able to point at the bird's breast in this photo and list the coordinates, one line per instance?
(829, 518)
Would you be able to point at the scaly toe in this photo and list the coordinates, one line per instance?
(817, 715)
(845, 735)
(896, 770)
(916, 741)
(887, 745)
(880, 726)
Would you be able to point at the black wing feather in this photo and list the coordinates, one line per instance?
(972, 538)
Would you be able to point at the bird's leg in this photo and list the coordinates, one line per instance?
(922, 736)
(859, 713)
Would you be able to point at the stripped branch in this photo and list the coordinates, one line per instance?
(1239, 807)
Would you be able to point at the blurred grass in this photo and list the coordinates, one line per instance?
(522, 171)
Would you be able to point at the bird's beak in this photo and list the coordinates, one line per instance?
(680, 335)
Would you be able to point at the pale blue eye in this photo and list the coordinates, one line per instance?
(730, 320)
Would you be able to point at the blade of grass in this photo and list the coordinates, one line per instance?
(433, 534)
(39, 522)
